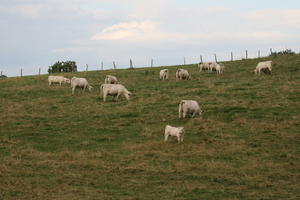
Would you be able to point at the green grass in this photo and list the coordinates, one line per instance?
(246, 146)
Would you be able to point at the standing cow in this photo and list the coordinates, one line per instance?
(263, 66)
(80, 83)
(189, 107)
(174, 131)
(57, 79)
(164, 74)
(182, 74)
(203, 66)
(109, 79)
(114, 90)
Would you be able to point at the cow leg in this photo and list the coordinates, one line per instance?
(166, 137)
(178, 138)
(117, 97)
(194, 113)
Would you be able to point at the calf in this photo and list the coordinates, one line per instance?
(164, 74)
(174, 131)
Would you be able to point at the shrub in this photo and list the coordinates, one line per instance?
(283, 52)
(67, 66)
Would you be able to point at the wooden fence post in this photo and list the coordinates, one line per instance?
(114, 64)
(39, 71)
(101, 65)
(131, 65)
(201, 59)
(21, 72)
(87, 67)
(258, 53)
(271, 51)
(246, 54)
(151, 62)
(183, 60)
(216, 58)
(231, 56)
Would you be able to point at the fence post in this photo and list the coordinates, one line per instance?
(101, 65)
(201, 59)
(21, 72)
(246, 54)
(151, 62)
(183, 60)
(39, 71)
(1, 73)
(216, 58)
(87, 67)
(258, 53)
(114, 64)
(131, 65)
(271, 51)
(231, 56)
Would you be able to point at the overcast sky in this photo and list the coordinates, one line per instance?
(37, 33)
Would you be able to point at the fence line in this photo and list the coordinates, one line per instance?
(215, 56)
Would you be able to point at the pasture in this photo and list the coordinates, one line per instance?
(245, 146)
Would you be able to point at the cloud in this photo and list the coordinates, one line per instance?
(135, 31)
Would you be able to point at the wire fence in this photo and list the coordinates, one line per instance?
(215, 57)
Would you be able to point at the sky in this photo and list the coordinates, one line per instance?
(37, 33)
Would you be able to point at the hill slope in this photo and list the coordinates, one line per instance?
(246, 146)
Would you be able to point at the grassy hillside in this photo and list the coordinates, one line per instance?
(246, 146)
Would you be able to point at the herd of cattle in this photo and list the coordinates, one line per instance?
(111, 87)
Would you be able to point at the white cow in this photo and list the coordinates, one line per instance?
(189, 107)
(222, 67)
(164, 74)
(114, 90)
(174, 131)
(109, 79)
(80, 83)
(203, 66)
(57, 79)
(262, 66)
(182, 74)
(218, 67)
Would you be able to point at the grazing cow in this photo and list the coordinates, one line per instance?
(58, 79)
(218, 67)
(109, 79)
(174, 131)
(114, 90)
(182, 74)
(203, 66)
(263, 66)
(164, 74)
(189, 107)
(80, 83)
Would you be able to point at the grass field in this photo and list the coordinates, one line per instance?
(246, 146)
